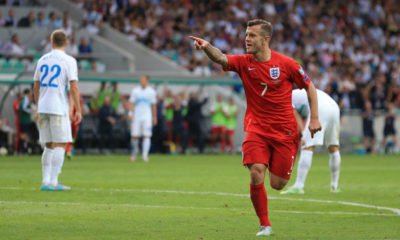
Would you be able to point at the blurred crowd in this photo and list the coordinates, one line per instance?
(11, 47)
(187, 122)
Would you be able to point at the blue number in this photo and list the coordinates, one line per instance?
(45, 68)
(56, 75)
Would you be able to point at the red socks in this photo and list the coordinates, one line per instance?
(258, 196)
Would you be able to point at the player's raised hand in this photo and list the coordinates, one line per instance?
(199, 43)
(314, 126)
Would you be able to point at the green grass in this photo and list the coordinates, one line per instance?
(177, 197)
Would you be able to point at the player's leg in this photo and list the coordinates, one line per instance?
(303, 168)
(60, 130)
(256, 158)
(334, 165)
(146, 142)
(332, 142)
(47, 155)
(135, 131)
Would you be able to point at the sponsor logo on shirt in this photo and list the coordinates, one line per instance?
(251, 69)
(274, 72)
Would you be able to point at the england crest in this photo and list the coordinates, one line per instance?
(274, 72)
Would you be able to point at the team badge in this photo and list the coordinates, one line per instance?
(274, 73)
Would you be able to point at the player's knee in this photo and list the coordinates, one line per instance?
(257, 176)
(333, 148)
(278, 185)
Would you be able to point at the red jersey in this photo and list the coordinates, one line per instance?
(268, 87)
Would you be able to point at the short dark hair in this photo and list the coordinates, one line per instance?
(266, 26)
(59, 38)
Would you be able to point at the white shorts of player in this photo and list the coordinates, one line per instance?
(54, 128)
(329, 134)
(141, 128)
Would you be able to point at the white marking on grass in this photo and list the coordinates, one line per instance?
(346, 203)
(127, 205)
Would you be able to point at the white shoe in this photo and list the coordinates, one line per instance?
(293, 190)
(264, 231)
(145, 158)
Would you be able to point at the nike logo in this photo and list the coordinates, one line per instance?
(251, 69)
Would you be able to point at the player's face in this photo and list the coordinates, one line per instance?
(144, 81)
(255, 41)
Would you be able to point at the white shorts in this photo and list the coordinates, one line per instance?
(54, 128)
(329, 134)
(141, 128)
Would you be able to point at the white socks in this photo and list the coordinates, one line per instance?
(303, 168)
(334, 165)
(56, 164)
(146, 148)
(47, 158)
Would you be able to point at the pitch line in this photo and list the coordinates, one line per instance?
(127, 205)
(345, 203)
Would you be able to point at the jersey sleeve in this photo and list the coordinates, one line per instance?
(233, 63)
(298, 75)
(132, 98)
(72, 72)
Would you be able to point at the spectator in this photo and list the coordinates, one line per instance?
(10, 20)
(41, 21)
(25, 121)
(14, 47)
(368, 127)
(2, 20)
(84, 47)
(195, 120)
(27, 21)
(72, 48)
(107, 120)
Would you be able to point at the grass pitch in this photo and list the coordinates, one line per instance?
(195, 197)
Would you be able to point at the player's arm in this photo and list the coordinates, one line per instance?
(299, 121)
(212, 52)
(154, 113)
(74, 91)
(314, 125)
(36, 92)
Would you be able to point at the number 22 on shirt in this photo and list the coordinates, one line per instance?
(46, 80)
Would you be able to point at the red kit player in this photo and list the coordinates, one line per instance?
(271, 140)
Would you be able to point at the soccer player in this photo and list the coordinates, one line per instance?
(218, 121)
(271, 140)
(54, 71)
(231, 122)
(144, 116)
(329, 114)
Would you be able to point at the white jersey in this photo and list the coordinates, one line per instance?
(329, 117)
(55, 70)
(143, 98)
(326, 104)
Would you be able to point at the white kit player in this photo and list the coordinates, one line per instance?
(144, 117)
(329, 116)
(55, 71)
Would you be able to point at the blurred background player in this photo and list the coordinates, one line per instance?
(144, 116)
(231, 122)
(25, 120)
(218, 121)
(329, 116)
(54, 71)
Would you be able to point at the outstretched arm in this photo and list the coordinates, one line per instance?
(212, 52)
